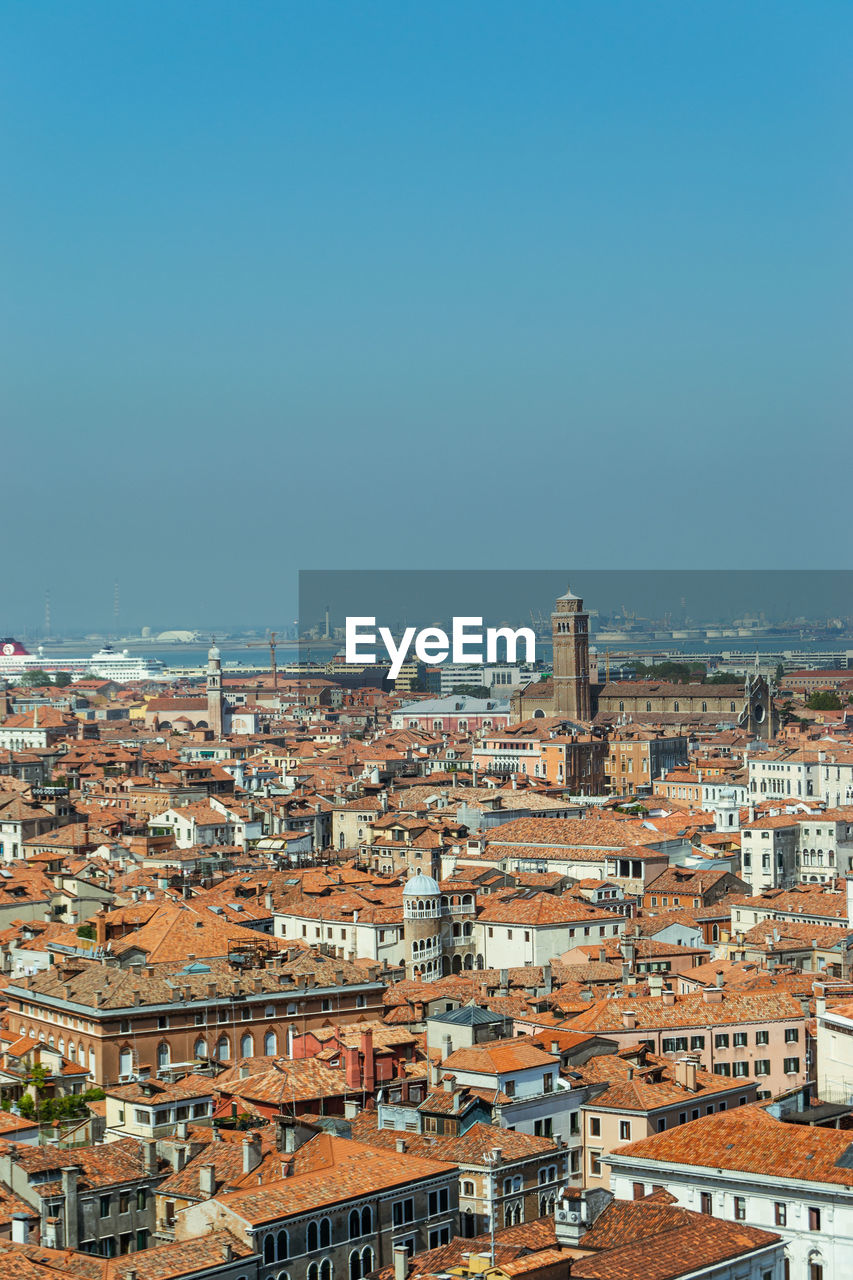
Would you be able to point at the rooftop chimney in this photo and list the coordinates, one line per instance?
(685, 1074)
(251, 1152)
(20, 1228)
(401, 1263)
(207, 1180)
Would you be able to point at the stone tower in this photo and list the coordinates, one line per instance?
(570, 633)
(214, 692)
(422, 927)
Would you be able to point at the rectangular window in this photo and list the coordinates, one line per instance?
(624, 1130)
(403, 1211)
(548, 1082)
(105, 1206)
(674, 1044)
(762, 1066)
(594, 1164)
(509, 1088)
(814, 1218)
(740, 1208)
(697, 1042)
(638, 1190)
(721, 1041)
(792, 1035)
(739, 1040)
(439, 1236)
(792, 1065)
(705, 1205)
(595, 1126)
(781, 1213)
(741, 1068)
(762, 1037)
(438, 1202)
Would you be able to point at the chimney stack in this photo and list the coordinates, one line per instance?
(20, 1228)
(401, 1263)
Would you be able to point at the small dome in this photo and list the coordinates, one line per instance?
(421, 886)
(213, 653)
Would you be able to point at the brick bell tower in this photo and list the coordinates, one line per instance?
(215, 699)
(570, 638)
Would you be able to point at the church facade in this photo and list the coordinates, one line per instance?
(569, 693)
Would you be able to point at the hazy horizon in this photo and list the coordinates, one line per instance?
(294, 286)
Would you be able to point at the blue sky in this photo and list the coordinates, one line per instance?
(476, 284)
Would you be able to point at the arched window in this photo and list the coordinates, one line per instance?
(125, 1061)
(269, 1248)
(467, 1188)
(311, 1238)
(162, 1055)
(281, 1245)
(247, 1046)
(366, 1221)
(223, 1049)
(200, 1048)
(270, 1043)
(354, 1225)
(325, 1233)
(313, 1269)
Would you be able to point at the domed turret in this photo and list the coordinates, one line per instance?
(421, 886)
(422, 926)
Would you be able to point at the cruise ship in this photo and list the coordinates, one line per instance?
(106, 664)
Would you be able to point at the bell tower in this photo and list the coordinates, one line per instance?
(570, 638)
(214, 691)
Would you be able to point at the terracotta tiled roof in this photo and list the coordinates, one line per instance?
(751, 1141)
(346, 1170)
(689, 1011)
(500, 1056)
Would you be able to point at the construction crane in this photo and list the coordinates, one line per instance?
(272, 642)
